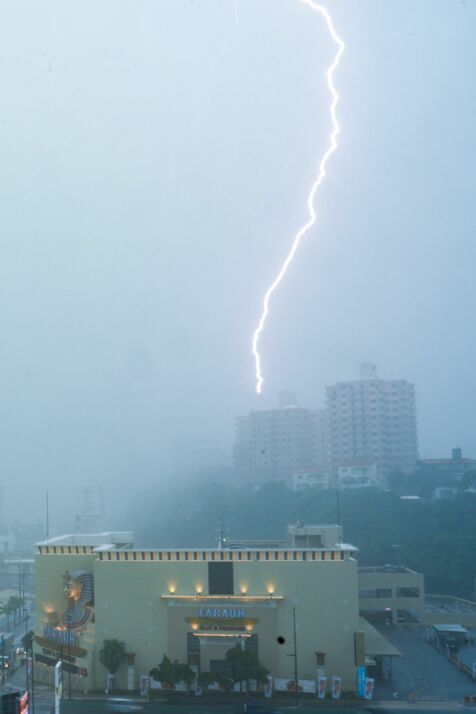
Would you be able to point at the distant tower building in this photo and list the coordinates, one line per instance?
(88, 517)
(273, 444)
(321, 440)
(372, 420)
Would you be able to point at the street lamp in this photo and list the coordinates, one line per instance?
(32, 637)
(294, 654)
(25, 612)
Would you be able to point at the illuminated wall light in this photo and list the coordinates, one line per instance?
(270, 589)
(172, 588)
(199, 588)
(243, 589)
(249, 628)
(194, 626)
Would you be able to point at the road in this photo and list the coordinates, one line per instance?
(44, 696)
(20, 627)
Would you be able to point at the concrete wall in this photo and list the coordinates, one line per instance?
(376, 579)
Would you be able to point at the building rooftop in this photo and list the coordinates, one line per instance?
(301, 538)
(447, 462)
(115, 539)
(386, 569)
(449, 604)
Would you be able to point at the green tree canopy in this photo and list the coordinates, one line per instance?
(112, 655)
(169, 673)
(245, 665)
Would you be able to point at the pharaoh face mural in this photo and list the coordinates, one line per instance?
(78, 587)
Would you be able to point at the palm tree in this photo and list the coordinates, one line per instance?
(8, 608)
(16, 603)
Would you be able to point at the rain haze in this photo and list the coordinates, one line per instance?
(155, 163)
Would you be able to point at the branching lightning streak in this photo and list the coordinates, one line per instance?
(310, 201)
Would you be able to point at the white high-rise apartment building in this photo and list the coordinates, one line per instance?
(274, 444)
(88, 518)
(372, 420)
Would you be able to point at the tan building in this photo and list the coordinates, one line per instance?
(194, 605)
(393, 593)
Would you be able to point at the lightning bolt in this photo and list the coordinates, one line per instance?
(314, 188)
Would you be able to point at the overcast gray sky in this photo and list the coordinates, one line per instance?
(155, 161)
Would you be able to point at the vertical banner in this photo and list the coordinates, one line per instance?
(268, 687)
(29, 664)
(369, 688)
(336, 687)
(24, 704)
(109, 683)
(321, 687)
(474, 670)
(361, 677)
(58, 686)
(144, 685)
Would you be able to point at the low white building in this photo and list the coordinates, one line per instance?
(308, 478)
(360, 474)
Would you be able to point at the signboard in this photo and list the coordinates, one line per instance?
(321, 687)
(64, 636)
(369, 688)
(289, 685)
(474, 670)
(361, 677)
(221, 619)
(222, 613)
(336, 687)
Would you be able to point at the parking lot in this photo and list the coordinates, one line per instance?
(421, 672)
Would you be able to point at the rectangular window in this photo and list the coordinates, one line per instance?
(220, 578)
(375, 593)
(408, 592)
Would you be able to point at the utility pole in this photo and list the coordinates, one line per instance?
(32, 678)
(296, 675)
(222, 536)
(47, 518)
(69, 657)
(339, 519)
(25, 612)
(296, 678)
